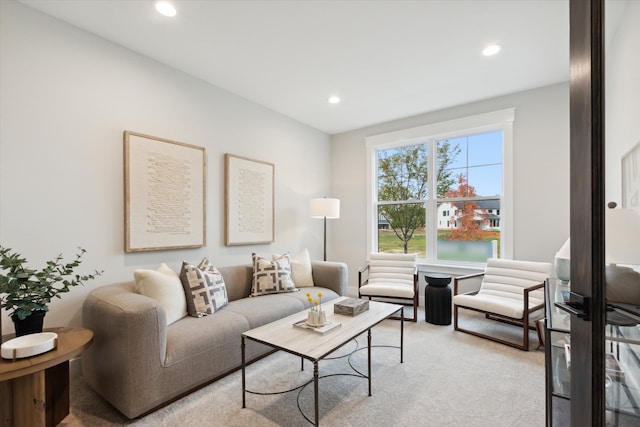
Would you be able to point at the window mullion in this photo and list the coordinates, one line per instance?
(431, 229)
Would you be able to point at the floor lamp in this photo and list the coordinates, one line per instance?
(325, 208)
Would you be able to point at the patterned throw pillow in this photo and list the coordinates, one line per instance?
(271, 277)
(204, 288)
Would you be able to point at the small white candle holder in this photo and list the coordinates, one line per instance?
(317, 318)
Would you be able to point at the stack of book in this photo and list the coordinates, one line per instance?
(351, 307)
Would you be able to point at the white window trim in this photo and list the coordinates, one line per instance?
(492, 121)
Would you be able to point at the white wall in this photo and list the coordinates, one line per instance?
(540, 164)
(66, 97)
(622, 96)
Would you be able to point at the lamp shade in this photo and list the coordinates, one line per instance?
(622, 236)
(325, 208)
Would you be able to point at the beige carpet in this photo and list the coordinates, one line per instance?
(447, 379)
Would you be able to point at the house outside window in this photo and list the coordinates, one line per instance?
(458, 213)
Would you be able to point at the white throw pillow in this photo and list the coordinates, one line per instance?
(301, 273)
(164, 286)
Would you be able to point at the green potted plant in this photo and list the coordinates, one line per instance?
(26, 293)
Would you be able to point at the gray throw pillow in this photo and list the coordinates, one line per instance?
(204, 288)
(271, 277)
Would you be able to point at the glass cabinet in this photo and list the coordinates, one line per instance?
(622, 373)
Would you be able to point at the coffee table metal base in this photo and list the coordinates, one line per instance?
(315, 361)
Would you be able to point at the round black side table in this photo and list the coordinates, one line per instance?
(437, 298)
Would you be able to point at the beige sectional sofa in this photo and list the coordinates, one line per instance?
(138, 363)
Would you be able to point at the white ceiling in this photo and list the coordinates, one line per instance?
(385, 59)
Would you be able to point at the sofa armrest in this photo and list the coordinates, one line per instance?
(130, 340)
(332, 275)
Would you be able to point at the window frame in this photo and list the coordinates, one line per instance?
(501, 120)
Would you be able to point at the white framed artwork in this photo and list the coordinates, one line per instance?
(165, 188)
(249, 193)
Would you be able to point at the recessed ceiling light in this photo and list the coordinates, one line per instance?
(492, 49)
(165, 8)
(334, 99)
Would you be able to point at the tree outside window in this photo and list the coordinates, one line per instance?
(464, 209)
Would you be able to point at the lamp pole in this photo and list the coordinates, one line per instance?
(325, 238)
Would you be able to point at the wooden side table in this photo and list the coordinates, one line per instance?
(34, 391)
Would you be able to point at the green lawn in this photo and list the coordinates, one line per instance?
(390, 243)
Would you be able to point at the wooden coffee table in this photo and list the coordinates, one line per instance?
(34, 391)
(282, 335)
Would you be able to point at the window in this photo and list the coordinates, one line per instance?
(443, 195)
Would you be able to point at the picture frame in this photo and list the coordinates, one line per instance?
(165, 194)
(631, 178)
(249, 195)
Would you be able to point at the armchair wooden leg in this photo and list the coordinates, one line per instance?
(525, 328)
(455, 317)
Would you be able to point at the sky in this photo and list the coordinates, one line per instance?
(480, 158)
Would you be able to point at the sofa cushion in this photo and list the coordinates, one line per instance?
(163, 285)
(204, 288)
(218, 336)
(271, 277)
(267, 308)
(300, 268)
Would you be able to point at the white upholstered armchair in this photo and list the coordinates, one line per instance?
(511, 291)
(390, 277)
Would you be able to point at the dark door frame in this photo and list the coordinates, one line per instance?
(587, 210)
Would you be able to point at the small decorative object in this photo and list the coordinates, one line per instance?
(562, 262)
(25, 292)
(29, 345)
(327, 327)
(317, 316)
(351, 307)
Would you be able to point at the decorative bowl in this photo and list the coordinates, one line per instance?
(563, 269)
(29, 345)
